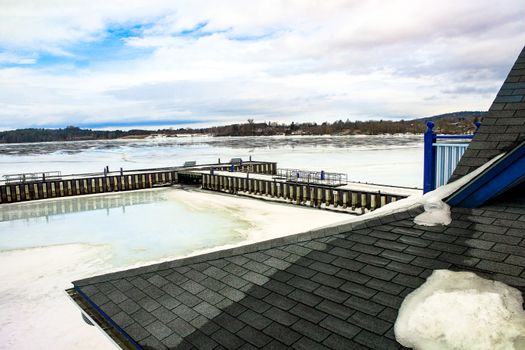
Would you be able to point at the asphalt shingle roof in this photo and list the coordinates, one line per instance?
(503, 128)
(336, 290)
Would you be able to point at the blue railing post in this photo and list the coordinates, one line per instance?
(477, 125)
(429, 164)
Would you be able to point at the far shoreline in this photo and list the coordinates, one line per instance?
(450, 123)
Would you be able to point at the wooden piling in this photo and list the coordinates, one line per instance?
(363, 202)
(35, 191)
(373, 199)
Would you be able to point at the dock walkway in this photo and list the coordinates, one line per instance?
(351, 196)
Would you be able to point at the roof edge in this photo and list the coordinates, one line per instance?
(505, 173)
(254, 247)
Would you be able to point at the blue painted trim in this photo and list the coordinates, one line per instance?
(430, 166)
(454, 136)
(505, 174)
(429, 163)
(108, 319)
(446, 144)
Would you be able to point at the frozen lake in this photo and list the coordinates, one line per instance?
(385, 159)
(44, 245)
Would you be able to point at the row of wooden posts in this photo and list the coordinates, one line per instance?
(27, 191)
(82, 186)
(298, 193)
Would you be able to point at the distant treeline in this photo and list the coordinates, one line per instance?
(451, 123)
(71, 133)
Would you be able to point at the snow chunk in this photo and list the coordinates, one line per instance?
(460, 310)
(436, 213)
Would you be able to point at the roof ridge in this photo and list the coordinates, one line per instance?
(503, 128)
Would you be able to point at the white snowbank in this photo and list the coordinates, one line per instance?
(266, 220)
(35, 312)
(460, 310)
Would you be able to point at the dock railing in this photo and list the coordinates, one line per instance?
(441, 156)
(24, 178)
(312, 177)
(31, 177)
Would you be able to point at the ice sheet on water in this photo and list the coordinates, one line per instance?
(462, 311)
(388, 159)
(139, 225)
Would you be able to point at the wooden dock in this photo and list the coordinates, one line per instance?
(352, 195)
(83, 184)
(252, 178)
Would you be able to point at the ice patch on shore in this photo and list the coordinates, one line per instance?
(460, 310)
(35, 311)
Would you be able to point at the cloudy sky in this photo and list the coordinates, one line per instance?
(152, 63)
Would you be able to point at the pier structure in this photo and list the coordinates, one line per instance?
(317, 193)
(259, 179)
(21, 187)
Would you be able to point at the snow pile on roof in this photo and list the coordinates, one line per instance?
(460, 310)
(436, 213)
(416, 200)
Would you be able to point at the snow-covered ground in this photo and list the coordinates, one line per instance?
(42, 255)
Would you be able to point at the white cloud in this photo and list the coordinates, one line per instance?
(275, 60)
(9, 58)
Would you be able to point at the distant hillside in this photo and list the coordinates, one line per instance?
(454, 123)
(454, 115)
(450, 123)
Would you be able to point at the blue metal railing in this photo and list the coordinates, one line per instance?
(441, 158)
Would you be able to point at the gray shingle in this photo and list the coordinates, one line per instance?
(281, 333)
(308, 313)
(227, 339)
(363, 305)
(334, 309)
(316, 333)
(254, 337)
(159, 330)
(278, 315)
(255, 319)
(340, 327)
(337, 342)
